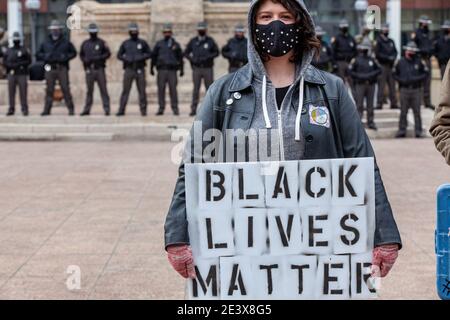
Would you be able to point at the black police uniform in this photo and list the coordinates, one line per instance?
(94, 53)
(325, 61)
(134, 53)
(344, 50)
(235, 51)
(201, 52)
(167, 57)
(386, 54)
(3, 48)
(442, 51)
(364, 71)
(56, 55)
(425, 45)
(17, 59)
(410, 74)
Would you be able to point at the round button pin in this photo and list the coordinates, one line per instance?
(237, 95)
(230, 102)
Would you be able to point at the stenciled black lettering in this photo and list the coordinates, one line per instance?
(281, 179)
(348, 228)
(345, 179)
(211, 279)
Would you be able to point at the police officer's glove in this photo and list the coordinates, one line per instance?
(152, 71)
(182, 73)
(180, 257)
(127, 58)
(383, 259)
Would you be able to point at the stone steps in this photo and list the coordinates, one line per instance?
(60, 127)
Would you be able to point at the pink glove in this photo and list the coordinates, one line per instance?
(180, 257)
(383, 259)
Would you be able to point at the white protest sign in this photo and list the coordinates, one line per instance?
(301, 230)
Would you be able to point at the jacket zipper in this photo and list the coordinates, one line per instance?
(280, 133)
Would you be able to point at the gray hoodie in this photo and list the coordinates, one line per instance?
(267, 116)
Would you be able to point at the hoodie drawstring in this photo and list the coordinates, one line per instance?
(264, 103)
(298, 122)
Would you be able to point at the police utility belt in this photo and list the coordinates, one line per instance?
(53, 66)
(94, 66)
(18, 71)
(410, 86)
(167, 67)
(364, 81)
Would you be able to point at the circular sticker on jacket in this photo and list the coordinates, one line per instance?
(97, 47)
(19, 54)
(139, 46)
(319, 116)
(206, 46)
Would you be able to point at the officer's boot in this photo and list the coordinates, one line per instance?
(193, 111)
(144, 112)
(46, 111)
(10, 112)
(107, 111)
(25, 111)
(176, 111)
(86, 112)
(71, 112)
(121, 111)
(160, 112)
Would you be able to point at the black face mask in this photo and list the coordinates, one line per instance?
(202, 33)
(56, 34)
(425, 29)
(344, 30)
(134, 35)
(386, 34)
(93, 36)
(277, 38)
(16, 43)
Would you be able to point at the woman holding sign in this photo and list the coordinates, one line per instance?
(310, 111)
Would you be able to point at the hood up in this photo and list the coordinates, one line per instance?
(259, 71)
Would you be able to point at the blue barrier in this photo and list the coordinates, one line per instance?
(443, 242)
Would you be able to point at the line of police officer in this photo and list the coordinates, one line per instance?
(167, 57)
(363, 64)
(356, 60)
